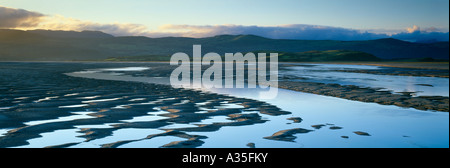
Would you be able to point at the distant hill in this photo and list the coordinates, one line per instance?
(43, 45)
(71, 34)
(309, 56)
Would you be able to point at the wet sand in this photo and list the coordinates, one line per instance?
(377, 95)
(288, 135)
(350, 92)
(414, 65)
(43, 93)
(426, 69)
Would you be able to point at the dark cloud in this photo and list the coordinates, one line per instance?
(18, 18)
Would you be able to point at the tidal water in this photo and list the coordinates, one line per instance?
(333, 122)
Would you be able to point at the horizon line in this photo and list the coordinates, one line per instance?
(218, 35)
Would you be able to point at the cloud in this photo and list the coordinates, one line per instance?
(413, 29)
(305, 32)
(28, 20)
(415, 34)
(59, 22)
(18, 18)
(293, 31)
(11, 18)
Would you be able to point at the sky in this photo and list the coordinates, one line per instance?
(292, 19)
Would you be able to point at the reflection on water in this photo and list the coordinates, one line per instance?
(54, 138)
(122, 134)
(326, 73)
(150, 116)
(151, 143)
(74, 106)
(127, 69)
(100, 100)
(75, 116)
(389, 126)
(3, 132)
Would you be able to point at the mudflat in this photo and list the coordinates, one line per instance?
(350, 92)
(37, 98)
(369, 94)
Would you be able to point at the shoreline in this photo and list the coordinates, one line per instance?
(413, 65)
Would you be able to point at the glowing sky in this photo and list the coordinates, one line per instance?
(208, 17)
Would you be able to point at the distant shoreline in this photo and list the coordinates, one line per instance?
(414, 65)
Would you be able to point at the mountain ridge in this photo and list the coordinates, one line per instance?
(44, 45)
